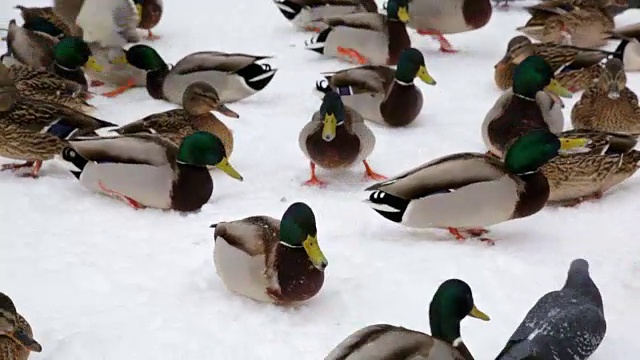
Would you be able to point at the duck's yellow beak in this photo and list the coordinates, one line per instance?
(329, 128)
(558, 89)
(316, 256)
(120, 60)
(225, 166)
(139, 12)
(424, 75)
(403, 14)
(93, 64)
(475, 313)
(24, 340)
(569, 146)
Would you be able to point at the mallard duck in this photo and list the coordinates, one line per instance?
(149, 171)
(452, 302)
(530, 104)
(150, 13)
(380, 93)
(113, 69)
(308, 14)
(336, 137)
(108, 22)
(608, 105)
(234, 76)
(271, 260)
(34, 130)
(584, 23)
(198, 101)
(602, 142)
(565, 324)
(365, 38)
(64, 57)
(16, 336)
(438, 17)
(466, 192)
(574, 68)
(33, 16)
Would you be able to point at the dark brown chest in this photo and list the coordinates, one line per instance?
(534, 197)
(402, 105)
(299, 280)
(342, 151)
(518, 118)
(192, 189)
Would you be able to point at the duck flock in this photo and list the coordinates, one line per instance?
(59, 56)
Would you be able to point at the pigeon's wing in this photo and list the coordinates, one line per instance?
(536, 315)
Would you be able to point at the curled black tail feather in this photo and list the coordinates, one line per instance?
(71, 155)
(323, 86)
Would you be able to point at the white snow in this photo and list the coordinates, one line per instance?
(100, 281)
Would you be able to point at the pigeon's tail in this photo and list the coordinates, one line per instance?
(520, 350)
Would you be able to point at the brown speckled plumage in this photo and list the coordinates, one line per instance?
(10, 349)
(30, 14)
(579, 68)
(608, 105)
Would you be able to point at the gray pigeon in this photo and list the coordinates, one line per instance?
(568, 324)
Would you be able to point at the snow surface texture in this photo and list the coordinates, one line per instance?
(100, 281)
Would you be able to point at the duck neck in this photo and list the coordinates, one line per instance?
(398, 39)
(73, 74)
(155, 82)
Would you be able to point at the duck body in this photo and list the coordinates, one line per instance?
(32, 15)
(9, 349)
(16, 335)
(582, 23)
(513, 115)
(234, 76)
(108, 22)
(115, 70)
(308, 14)
(373, 92)
(449, 17)
(140, 169)
(567, 324)
(245, 256)
(150, 12)
(32, 48)
(363, 38)
(381, 341)
(481, 193)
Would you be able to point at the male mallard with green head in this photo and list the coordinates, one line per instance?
(382, 94)
(198, 101)
(438, 17)
(16, 336)
(365, 38)
(234, 76)
(271, 260)
(466, 192)
(336, 137)
(146, 170)
(452, 302)
(531, 104)
(47, 17)
(150, 13)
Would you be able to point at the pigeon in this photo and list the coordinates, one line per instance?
(567, 324)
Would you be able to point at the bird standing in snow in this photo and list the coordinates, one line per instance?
(567, 324)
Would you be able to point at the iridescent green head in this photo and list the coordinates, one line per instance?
(452, 302)
(203, 148)
(534, 149)
(298, 231)
(71, 52)
(411, 64)
(398, 10)
(145, 57)
(534, 74)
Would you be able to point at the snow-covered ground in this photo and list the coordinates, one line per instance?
(98, 280)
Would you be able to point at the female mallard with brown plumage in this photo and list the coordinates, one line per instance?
(16, 335)
(365, 38)
(234, 76)
(527, 106)
(308, 14)
(380, 93)
(271, 260)
(608, 105)
(451, 303)
(584, 23)
(34, 130)
(199, 100)
(149, 171)
(437, 18)
(150, 12)
(574, 68)
(466, 192)
(336, 137)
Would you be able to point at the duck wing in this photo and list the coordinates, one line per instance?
(444, 174)
(214, 61)
(363, 79)
(367, 21)
(144, 149)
